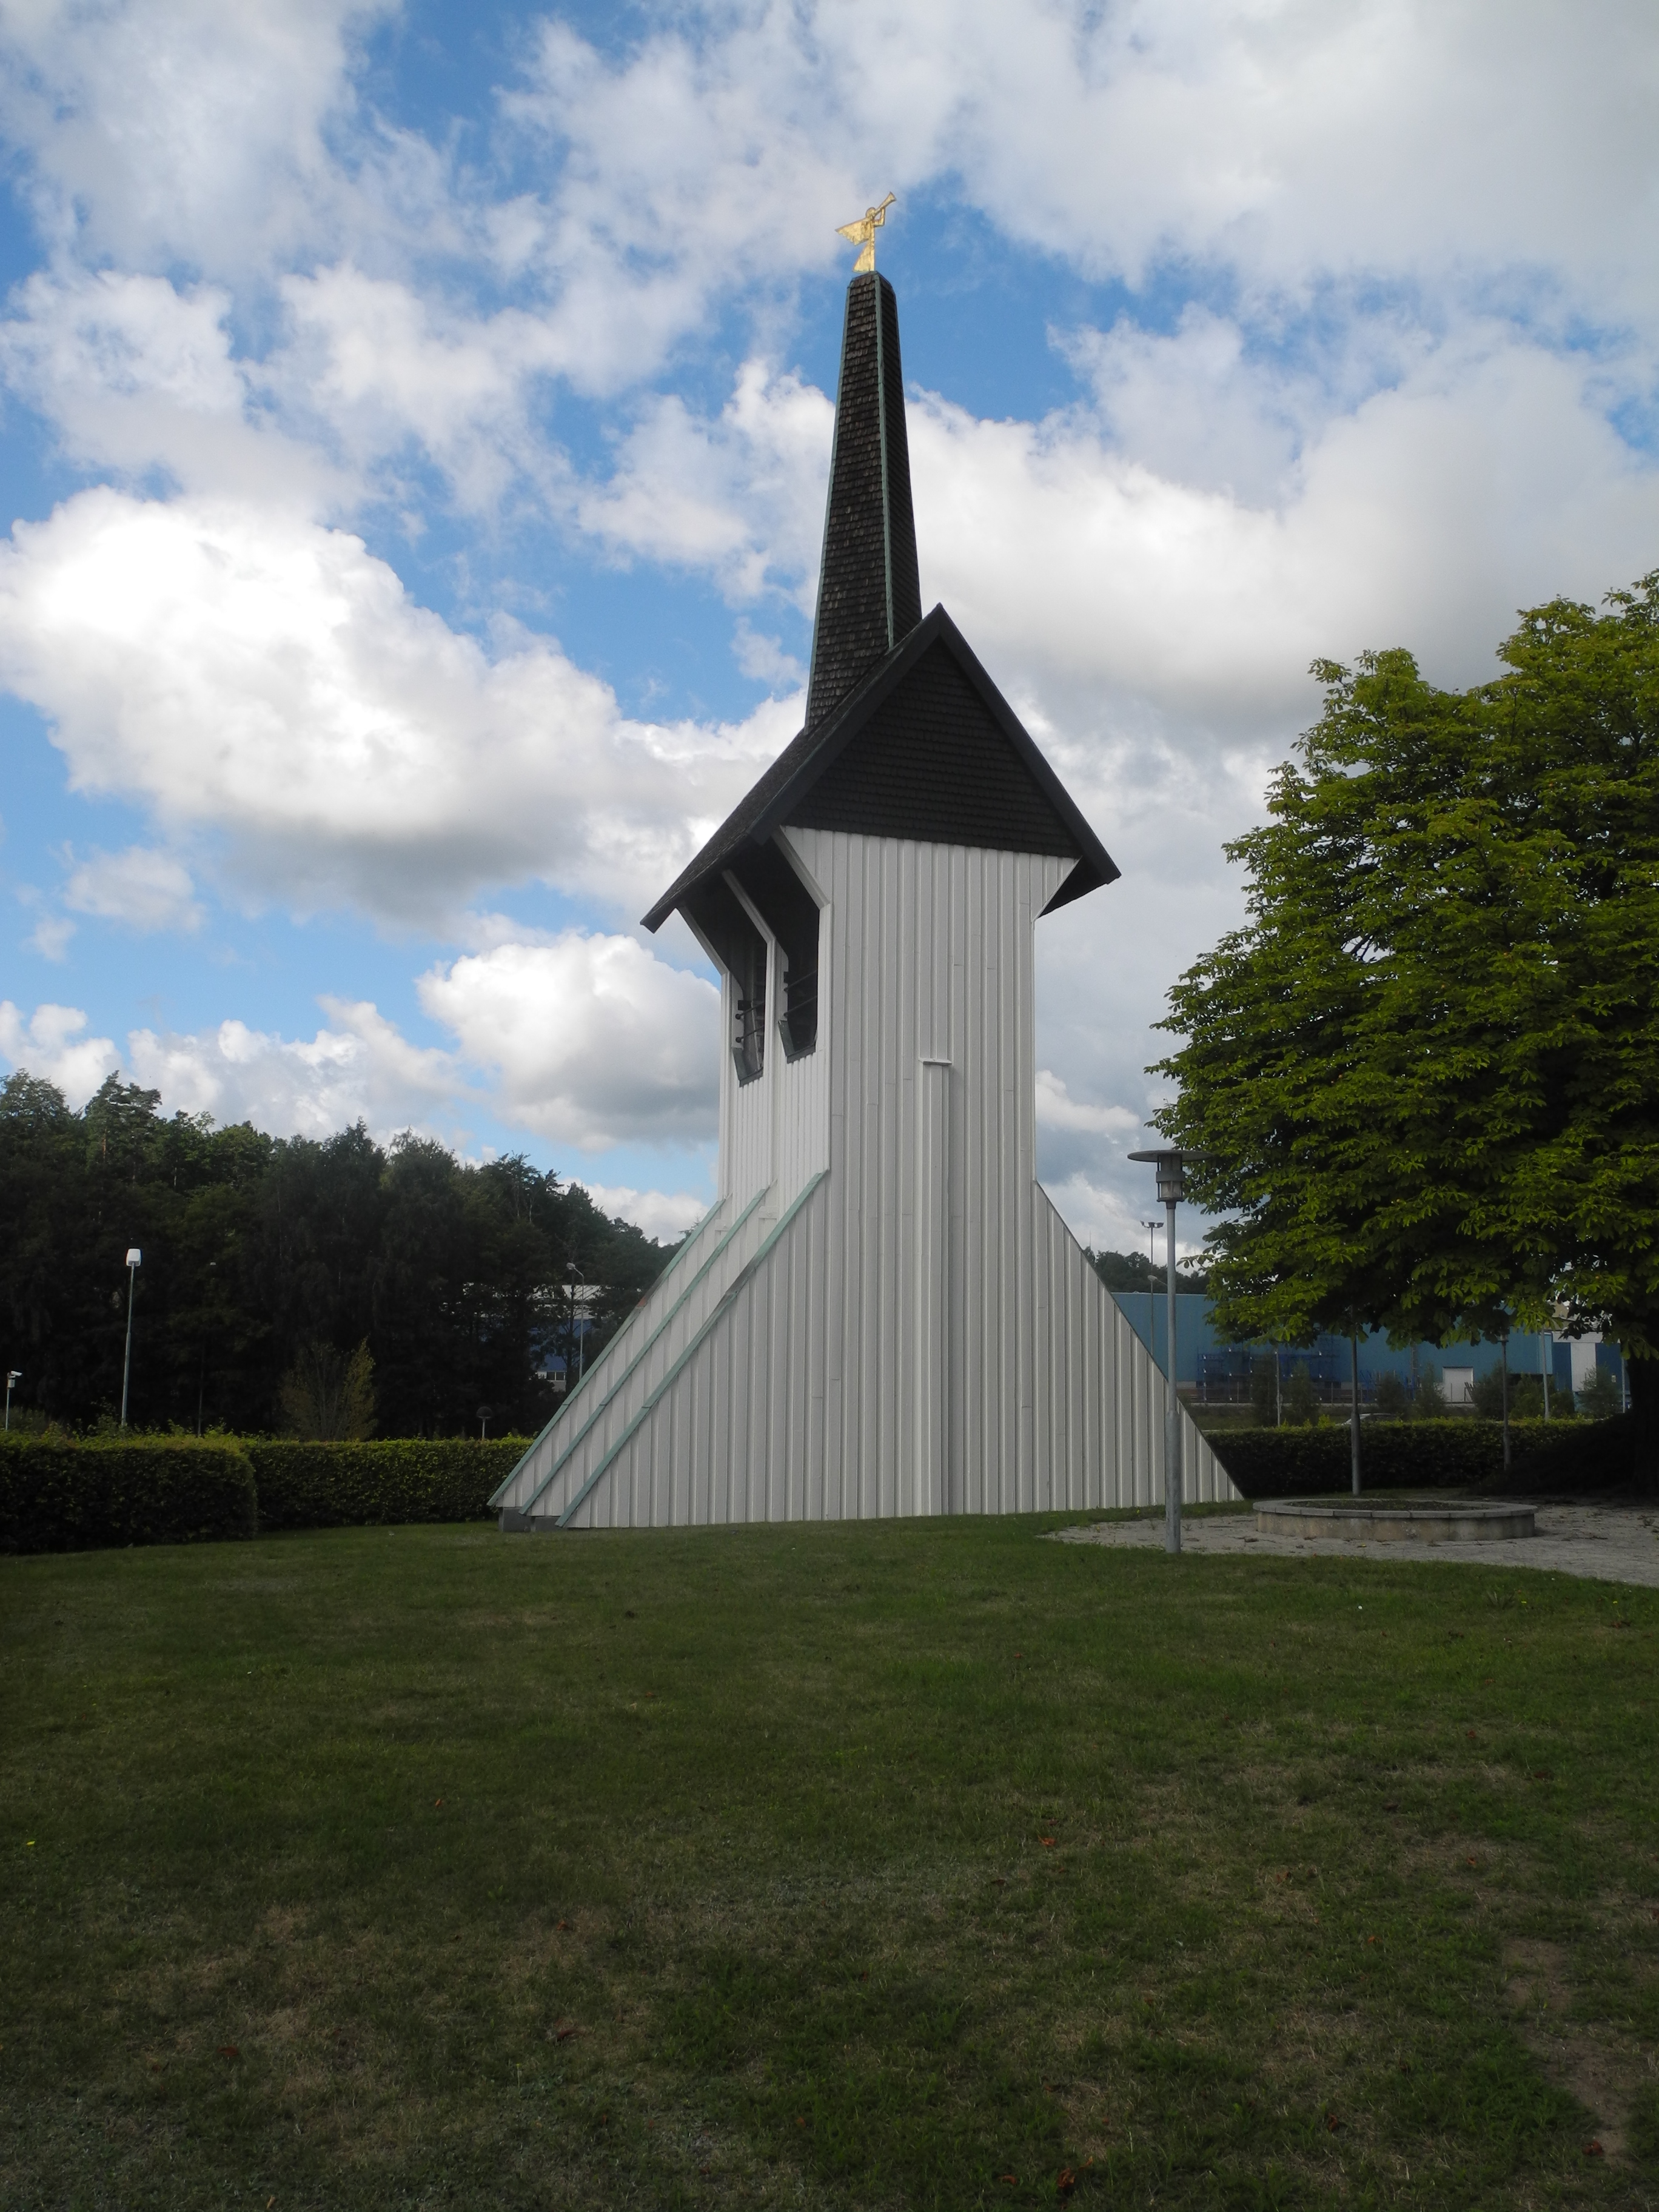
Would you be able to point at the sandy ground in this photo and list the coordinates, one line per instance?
(1604, 1543)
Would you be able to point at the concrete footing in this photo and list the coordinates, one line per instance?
(1394, 1520)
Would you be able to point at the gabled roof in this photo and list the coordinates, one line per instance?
(905, 735)
(925, 747)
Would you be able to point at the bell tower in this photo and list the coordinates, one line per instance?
(883, 1313)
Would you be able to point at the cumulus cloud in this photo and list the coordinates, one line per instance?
(144, 889)
(1103, 1214)
(588, 1041)
(665, 1216)
(1292, 143)
(1175, 555)
(381, 369)
(1407, 392)
(138, 375)
(595, 1041)
(740, 497)
(50, 1045)
(250, 672)
(1485, 480)
(195, 132)
(1298, 147)
(51, 936)
(361, 1067)
(1057, 1110)
(1300, 161)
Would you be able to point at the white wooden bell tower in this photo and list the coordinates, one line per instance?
(883, 1313)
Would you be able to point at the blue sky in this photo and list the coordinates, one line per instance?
(414, 433)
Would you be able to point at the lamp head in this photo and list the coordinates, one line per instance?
(1172, 1179)
(135, 1257)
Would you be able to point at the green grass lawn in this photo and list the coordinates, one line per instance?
(897, 1865)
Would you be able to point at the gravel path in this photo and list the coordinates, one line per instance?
(1604, 1543)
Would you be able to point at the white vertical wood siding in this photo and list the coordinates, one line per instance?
(884, 1314)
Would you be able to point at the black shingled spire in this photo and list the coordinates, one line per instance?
(869, 589)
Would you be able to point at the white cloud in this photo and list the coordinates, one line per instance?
(245, 670)
(763, 660)
(144, 889)
(583, 1039)
(1417, 246)
(1298, 145)
(379, 368)
(740, 497)
(665, 1216)
(50, 1045)
(1195, 407)
(1451, 159)
(51, 936)
(138, 376)
(1057, 1110)
(193, 131)
(1103, 1215)
(1186, 593)
(361, 1067)
(1486, 480)
(596, 1043)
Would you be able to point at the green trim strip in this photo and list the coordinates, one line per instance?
(746, 1275)
(620, 1382)
(685, 1252)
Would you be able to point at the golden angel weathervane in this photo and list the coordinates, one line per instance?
(863, 233)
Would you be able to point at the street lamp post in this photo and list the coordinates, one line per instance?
(1545, 1361)
(135, 1261)
(578, 1334)
(1171, 1188)
(14, 1376)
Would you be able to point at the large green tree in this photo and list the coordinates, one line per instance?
(1422, 1077)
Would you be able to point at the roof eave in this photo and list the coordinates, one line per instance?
(1095, 865)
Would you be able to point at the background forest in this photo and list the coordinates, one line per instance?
(265, 1257)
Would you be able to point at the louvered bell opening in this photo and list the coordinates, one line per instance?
(726, 931)
(749, 1039)
(798, 1022)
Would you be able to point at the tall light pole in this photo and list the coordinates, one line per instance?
(578, 1340)
(1545, 1361)
(135, 1261)
(1171, 1188)
(14, 1375)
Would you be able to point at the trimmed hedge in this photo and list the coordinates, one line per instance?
(59, 1496)
(1571, 1455)
(1429, 1455)
(392, 1479)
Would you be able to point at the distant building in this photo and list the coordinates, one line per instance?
(1215, 1371)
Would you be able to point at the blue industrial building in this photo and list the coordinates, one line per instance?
(1208, 1368)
